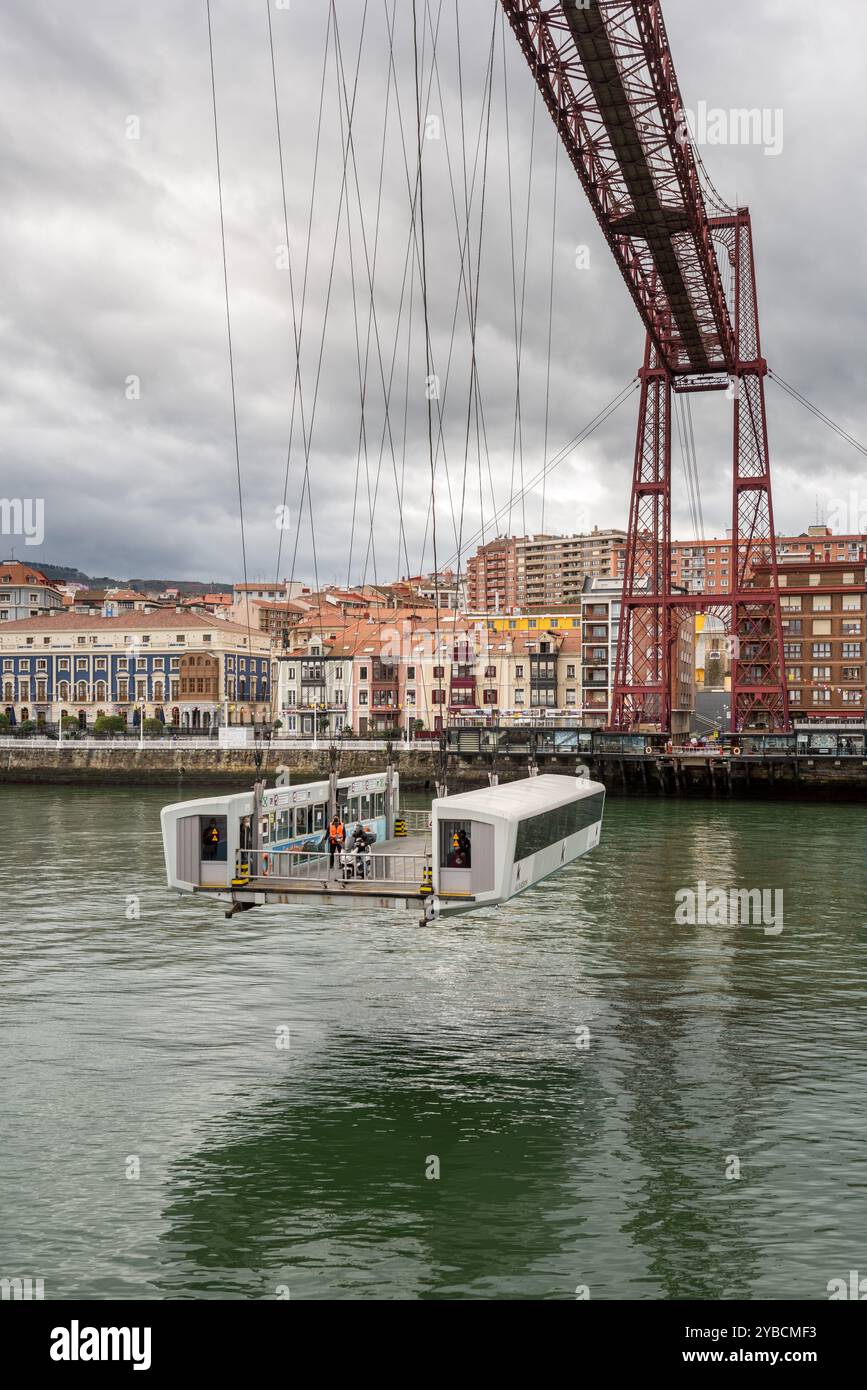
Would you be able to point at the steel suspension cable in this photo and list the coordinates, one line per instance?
(229, 331)
(590, 428)
(819, 414)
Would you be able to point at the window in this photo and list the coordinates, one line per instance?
(794, 697)
(821, 697)
(489, 697)
(793, 673)
(439, 672)
(851, 673)
(821, 627)
(851, 603)
(519, 672)
(539, 832)
(438, 697)
(851, 650)
(456, 846)
(519, 697)
(851, 629)
(821, 673)
(851, 697)
(362, 674)
(849, 577)
(792, 651)
(822, 603)
(822, 649)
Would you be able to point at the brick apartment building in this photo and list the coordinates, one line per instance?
(705, 566)
(824, 610)
(533, 571)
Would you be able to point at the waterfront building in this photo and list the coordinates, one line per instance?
(600, 631)
(516, 572)
(705, 566)
(314, 685)
(563, 618)
(26, 593)
(600, 627)
(824, 611)
(186, 669)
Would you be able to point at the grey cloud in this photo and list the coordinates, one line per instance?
(112, 257)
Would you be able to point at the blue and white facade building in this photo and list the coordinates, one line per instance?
(187, 670)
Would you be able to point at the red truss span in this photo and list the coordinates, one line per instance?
(605, 71)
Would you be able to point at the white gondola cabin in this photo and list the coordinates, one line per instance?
(494, 843)
(468, 851)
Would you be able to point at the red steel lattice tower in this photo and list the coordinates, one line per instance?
(605, 71)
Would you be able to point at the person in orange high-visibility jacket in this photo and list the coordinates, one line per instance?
(336, 839)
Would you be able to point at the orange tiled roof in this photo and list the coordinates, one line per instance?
(14, 572)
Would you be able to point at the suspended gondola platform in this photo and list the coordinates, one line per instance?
(476, 849)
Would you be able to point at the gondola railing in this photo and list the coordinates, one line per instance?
(301, 866)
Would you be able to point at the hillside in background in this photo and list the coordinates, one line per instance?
(63, 574)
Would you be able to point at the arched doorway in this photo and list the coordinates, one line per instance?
(176, 716)
(197, 718)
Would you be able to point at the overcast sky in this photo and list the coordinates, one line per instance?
(112, 270)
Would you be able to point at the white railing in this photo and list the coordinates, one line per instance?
(179, 744)
(294, 866)
(415, 820)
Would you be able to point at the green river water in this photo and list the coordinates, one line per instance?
(566, 1158)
